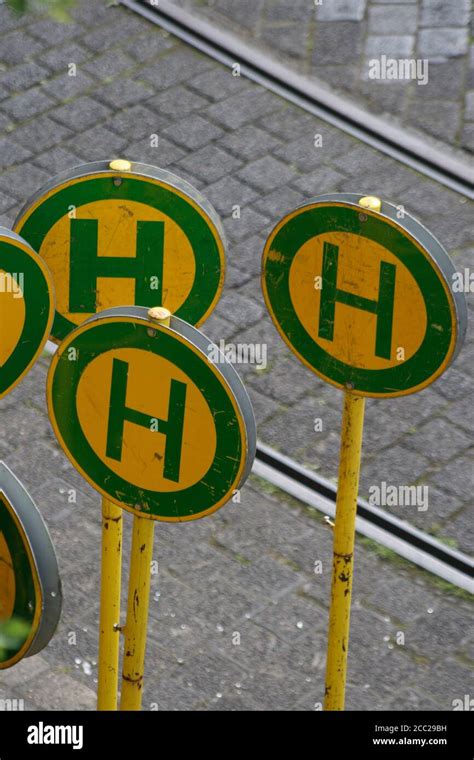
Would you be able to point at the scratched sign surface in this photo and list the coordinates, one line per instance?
(147, 418)
(362, 297)
(137, 236)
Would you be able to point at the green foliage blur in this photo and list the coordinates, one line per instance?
(13, 633)
(57, 9)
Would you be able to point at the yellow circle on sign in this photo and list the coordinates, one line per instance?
(143, 450)
(12, 314)
(117, 239)
(358, 273)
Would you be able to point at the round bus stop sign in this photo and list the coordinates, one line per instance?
(26, 308)
(364, 298)
(147, 418)
(115, 233)
(30, 588)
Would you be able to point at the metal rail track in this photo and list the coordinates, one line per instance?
(317, 492)
(448, 168)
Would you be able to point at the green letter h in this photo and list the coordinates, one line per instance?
(383, 308)
(119, 413)
(86, 266)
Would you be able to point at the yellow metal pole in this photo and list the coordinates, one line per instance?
(137, 613)
(343, 551)
(139, 591)
(109, 635)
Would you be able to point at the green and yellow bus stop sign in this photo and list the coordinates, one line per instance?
(363, 297)
(115, 233)
(30, 588)
(26, 308)
(147, 418)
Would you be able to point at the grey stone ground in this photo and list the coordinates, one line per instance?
(249, 569)
(334, 40)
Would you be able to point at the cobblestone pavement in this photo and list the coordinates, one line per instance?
(334, 40)
(246, 574)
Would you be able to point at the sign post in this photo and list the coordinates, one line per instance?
(118, 233)
(156, 427)
(110, 593)
(139, 591)
(361, 292)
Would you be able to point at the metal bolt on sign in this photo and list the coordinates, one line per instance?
(364, 299)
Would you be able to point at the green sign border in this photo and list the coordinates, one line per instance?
(198, 227)
(312, 220)
(102, 335)
(17, 257)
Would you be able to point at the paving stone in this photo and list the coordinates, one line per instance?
(453, 384)
(193, 132)
(210, 163)
(446, 13)
(178, 102)
(58, 58)
(398, 46)
(392, 20)
(24, 76)
(27, 105)
(22, 181)
(41, 133)
(337, 42)
(176, 69)
(239, 310)
(460, 529)
(456, 477)
(290, 38)
(245, 225)
(81, 113)
(246, 12)
(64, 87)
(52, 32)
(323, 179)
(17, 46)
(96, 144)
(450, 441)
(109, 65)
(436, 44)
(112, 35)
(120, 94)
(229, 192)
(148, 46)
(248, 143)
(277, 203)
(240, 109)
(136, 122)
(218, 83)
(266, 173)
(341, 10)
(164, 154)
(11, 153)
